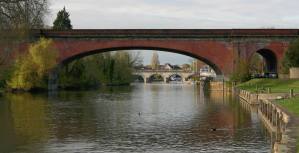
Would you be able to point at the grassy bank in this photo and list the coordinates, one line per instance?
(276, 85)
(292, 105)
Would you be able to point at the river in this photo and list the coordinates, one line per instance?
(140, 118)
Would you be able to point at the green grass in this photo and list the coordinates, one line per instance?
(292, 105)
(276, 85)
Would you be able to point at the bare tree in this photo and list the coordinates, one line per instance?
(16, 14)
(17, 17)
(155, 63)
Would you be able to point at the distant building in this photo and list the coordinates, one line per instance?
(197, 65)
(168, 66)
(203, 69)
(186, 67)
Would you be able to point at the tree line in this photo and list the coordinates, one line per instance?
(101, 69)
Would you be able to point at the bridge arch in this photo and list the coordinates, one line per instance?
(65, 60)
(139, 77)
(175, 74)
(150, 77)
(270, 59)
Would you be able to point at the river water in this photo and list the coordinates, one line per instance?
(140, 118)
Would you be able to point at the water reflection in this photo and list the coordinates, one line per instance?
(141, 118)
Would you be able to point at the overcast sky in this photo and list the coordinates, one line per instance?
(174, 14)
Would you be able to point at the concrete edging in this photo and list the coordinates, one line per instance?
(275, 118)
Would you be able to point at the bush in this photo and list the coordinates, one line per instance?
(291, 56)
(5, 74)
(105, 68)
(242, 72)
(31, 70)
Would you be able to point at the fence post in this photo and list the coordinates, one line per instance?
(269, 90)
(291, 93)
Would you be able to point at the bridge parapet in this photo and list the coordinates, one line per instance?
(165, 33)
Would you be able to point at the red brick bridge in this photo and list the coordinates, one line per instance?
(219, 48)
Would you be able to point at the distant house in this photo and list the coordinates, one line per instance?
(203, 69)
(176, 67)
(206, 70)
(168, 66)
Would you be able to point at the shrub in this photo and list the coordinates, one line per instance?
(242, 72)
(31, 69)
(291, 56)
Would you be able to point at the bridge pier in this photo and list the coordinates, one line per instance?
(146, 80)
(53, 79)
(166, 79)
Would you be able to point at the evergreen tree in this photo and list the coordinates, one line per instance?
(62, 21)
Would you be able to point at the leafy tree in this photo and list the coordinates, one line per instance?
(291, 56)
(62, 21)
(16, 18)
(31, 70)
(257, 64)
(101, 69)
(155, 63)
(122, 68)
(17, 14)
(186, 67)
(242, 72)
(82, 73)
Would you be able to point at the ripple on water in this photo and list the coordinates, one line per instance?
(151, 118)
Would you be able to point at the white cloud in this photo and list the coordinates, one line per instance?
(180, 13)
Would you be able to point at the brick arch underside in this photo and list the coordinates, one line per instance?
(272, 52)
(214, 53)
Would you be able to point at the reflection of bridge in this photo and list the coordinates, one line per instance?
(165, 74)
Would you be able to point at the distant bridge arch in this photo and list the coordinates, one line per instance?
(146, 74)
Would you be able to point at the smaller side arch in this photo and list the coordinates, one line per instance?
(175, 74)
(139, 77)
(270, 60)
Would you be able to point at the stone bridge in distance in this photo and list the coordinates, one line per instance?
(165, 74)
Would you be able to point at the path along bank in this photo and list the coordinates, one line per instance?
(278, 107)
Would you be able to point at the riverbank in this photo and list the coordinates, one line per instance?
(275, 85)
(288, 105)
(1, 91)
(292, 106)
